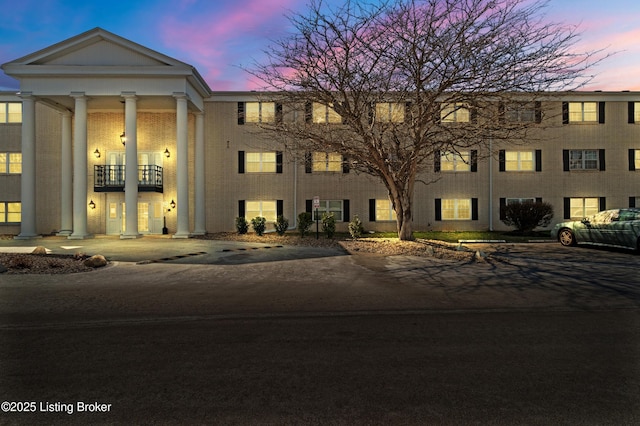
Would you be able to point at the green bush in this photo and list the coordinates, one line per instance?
(526, 216)
(242, 225)
(305, 220)
(259, 224)
(328, 224)
(281, 224)
(355, 227)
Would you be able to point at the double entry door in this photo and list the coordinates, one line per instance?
(150, 214)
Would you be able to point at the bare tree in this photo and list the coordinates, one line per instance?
(412, 80)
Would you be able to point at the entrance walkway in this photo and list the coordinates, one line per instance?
(165, 249)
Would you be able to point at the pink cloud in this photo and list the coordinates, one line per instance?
(221, 37)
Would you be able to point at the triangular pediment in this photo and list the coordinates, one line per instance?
(98, 47)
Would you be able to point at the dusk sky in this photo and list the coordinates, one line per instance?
(217, 36)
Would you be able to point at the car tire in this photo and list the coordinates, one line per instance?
(566, 237)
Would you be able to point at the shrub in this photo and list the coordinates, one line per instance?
(281, 224)
(526, 216)
(328, 224)
(242, 225)
(259, 224)
(355, 227)
(305, 220)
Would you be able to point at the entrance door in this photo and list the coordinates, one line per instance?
(150, 219)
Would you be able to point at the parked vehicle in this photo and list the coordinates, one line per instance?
(617, 228)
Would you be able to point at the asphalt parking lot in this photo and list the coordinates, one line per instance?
(532, 334)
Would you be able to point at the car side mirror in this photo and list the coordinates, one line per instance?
(585, 221)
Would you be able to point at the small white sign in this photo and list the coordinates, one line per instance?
(316, 202)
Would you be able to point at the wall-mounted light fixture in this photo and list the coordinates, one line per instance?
(92, 205)
(167, 153)
(123, 138)
(172, 204)
(96, 153)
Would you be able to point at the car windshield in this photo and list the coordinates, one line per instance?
(605, 216)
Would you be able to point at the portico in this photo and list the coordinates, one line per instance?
(103, 85)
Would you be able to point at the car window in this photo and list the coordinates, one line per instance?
(606, 216)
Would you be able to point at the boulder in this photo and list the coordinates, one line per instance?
(39, 250)
(95, 261)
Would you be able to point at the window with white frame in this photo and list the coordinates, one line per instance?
(10, 212)
(455, 161)
(266, 209)
(260, 112)
(330, 206)
(325, 114)
(583, 159)
(583, 112)
(384, 211)
(456, 209)
(10, 162)
(636, 112)
(260, 162)
(10, 112)
(390, 112)
(521, 112)
(326, 162)
(634, 160)
(583, 207)
(519, 200)
(519, 161)
(454, 113)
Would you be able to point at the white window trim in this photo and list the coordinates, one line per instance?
(4, 214)
(325, 207)
(519, 161)
(456, 209)
(461, 161)
(583, 207)
(582, 112)
(583, 160)
(261, 163)
(261, 118)
(388, 207)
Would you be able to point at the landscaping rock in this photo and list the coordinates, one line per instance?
(96, 261)
(39, 250)
(3, 269)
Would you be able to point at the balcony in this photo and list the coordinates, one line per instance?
(110, 178)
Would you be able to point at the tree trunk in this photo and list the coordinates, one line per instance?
(403, 206)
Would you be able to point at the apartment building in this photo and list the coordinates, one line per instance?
(97, 108)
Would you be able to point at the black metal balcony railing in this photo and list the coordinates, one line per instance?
(110, 178)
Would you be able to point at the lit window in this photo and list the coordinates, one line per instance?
(583, 112)
(10, 212)
(260, 112)
(325, 114)
(384, 211)
(11, 162)
(266, 209)
(260, 162)
(583, 207)
(326, 162)
(456, 209)
(637, 159)
(636, 112)
(390, 112)
(455, 162)
(329, 206)
(10, 112)
(585, 159)
(519, 161)
(454, 113)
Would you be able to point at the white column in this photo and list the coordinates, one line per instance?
(131, 166)
(28, 177)
(80, 168)
(199, 228)
(66, 186)
(182, 165)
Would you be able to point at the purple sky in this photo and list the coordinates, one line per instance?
(216, 36)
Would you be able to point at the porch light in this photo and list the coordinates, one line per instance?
(92, 205)
(123, 138)
(172, 204)
(96, 153)
(167, 153)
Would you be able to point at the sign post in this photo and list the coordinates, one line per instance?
(316, 206)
